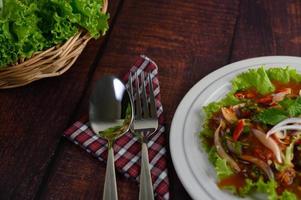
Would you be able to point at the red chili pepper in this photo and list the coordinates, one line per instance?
(265, 99)
(238, 129)
(239, 95)
(245, 95)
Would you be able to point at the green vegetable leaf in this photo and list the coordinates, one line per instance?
(268, 188)
(284, 75)
(280, 74)
(28, 26)
(213, 107)
(288, 156)
(271, 116)
(260, 186)
(292, 106)
(222, 168)
(249, 187)
(254, 78)
(1, 7)
(90, 17)
(220, 165)
(286, 195)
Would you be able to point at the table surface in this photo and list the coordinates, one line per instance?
(187, 39)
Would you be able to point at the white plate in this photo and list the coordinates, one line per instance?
(190, 160)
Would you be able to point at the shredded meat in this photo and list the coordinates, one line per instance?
(286, 177)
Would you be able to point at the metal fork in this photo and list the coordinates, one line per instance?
(145, 124)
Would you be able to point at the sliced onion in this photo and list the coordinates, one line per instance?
(269, 143)
(261, 164)
(292, 120)
(280, 134)
(280, 95)
(220, 150)
(284, 128)
(229, 114)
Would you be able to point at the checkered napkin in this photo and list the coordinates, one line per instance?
(127, 148)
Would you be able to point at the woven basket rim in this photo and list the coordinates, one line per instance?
(51, 62)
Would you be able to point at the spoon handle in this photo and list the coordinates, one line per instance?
(110, 187)
(146, 191)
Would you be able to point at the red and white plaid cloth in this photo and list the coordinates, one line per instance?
(127, 148)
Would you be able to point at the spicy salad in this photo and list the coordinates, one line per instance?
(253, 135)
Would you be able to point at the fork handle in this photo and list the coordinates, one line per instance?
(146, 191)
(110, 187)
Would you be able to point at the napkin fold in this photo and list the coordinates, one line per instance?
(127, 148)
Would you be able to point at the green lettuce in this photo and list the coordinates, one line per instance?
(90, 18)
(213, 107)
(289, 108)
(221, 167)
(286, 195)
(254, 78)
(284, 75)
(28, 26)
(272, 116)
(268, 188)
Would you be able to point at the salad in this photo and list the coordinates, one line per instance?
(253, 135)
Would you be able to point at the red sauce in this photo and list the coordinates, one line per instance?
(236, 180)
(257, 149)
(296, 87)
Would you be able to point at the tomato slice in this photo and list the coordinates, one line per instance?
(238, 129)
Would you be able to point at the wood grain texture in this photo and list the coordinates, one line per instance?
(187, 39)
(268, 28)
(32, 119)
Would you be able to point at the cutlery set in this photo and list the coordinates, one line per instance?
(115, 110)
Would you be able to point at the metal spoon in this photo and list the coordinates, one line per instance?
(111, 115)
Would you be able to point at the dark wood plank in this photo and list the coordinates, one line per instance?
(268, 28)
(188, 39)
(32, 119)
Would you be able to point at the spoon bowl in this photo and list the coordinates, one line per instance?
(111, 116)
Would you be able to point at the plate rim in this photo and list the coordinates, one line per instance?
(193, 93)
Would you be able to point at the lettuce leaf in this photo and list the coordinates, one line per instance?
(292, 106)
(260, 186)
(213, 107)
(8, 47)
(272, 116)
(23, 26)
(289, 108)
(254, 78)
(28, 26)
(286, 195)
(90, 17)
(284, 75)
(221, 167)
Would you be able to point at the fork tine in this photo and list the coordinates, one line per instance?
(137, 98)
(152, 101)
(144, 98)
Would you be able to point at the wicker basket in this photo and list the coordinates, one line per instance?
(49, 63)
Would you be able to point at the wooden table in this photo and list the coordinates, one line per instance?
(187, 39)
